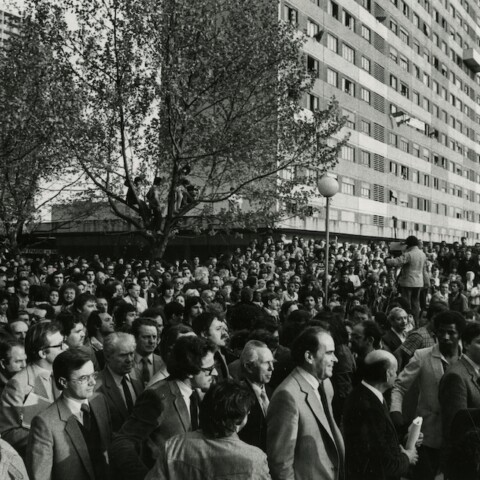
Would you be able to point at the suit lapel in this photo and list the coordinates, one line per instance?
(180, 406)
(114, 393)
(101, 416)
(73, 431)
(40, 383)
(472, 373)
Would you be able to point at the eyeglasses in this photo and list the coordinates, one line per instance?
(60, 345)
(85, 378)
(208, 370)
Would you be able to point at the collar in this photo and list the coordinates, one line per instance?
(376, 392)
(258, 390)
(138, 358)
(185, 389)
(42, 371)
(96, 344)
(312, 381)
(472, 363)
(401, 336)
(118, 378)
(75, 406)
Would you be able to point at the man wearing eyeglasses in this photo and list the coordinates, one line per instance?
(168, 409)
(32, 390)
(70, 439)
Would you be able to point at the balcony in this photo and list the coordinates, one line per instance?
(471, 57)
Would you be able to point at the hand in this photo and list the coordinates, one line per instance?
(419, 441)
(411, 454)
(397, 419)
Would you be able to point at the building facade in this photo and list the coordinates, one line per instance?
(9, 25)
(405, 75)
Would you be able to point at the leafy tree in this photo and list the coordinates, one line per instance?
(205, 96)
(35, 105)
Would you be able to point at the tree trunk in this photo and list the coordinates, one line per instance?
(158, 245)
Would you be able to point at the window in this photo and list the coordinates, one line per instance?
(393, 54)
(426, 104)
(415, 98)
(392, 139)
(348, 53)
(332, 43)
(366, 33)
(365, 127)
(404, 37)
(404, 145)
(416, 71)
(333, 9)
(416, 150)
(393, 197)
(435, 86)
(393, 26)
(332, 77)
(313, 66)
(416, 20)
(348, 86)
(405, 9)
(365, 95)
(403, 90)
(393, 82)
(348, 20)
(312, 28)
(365, 190)
(404, 172)
(416, 47)
(313, 102)
(366, 64)
(426, 79)
(365, 158)
(350, 116)
(404, 63)
(291, 15)
(348, 186)
(348, 153)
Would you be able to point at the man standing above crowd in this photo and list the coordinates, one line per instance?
(411, 278)
(32, 390)
(303, 441)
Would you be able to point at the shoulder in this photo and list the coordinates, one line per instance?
(422, 354)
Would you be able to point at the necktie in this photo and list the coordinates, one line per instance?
(128, 394)
(194, 410)
(87, 421)
(331, 421)
(264, 400)
(145, 371)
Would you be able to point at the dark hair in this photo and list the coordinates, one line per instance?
(268, 297)
(170, 336)
(450, 317)
(264, 336)
(171, 309)
(372, 330)
(81, 300)
(166, 286)
(224, 406)
(36, 339)
(266, 322)
(6, 347)
(470, 332)
(335, 326)
(191, 301)
(306, 341)
(66, 322)
(186, 356)
(435, 308)
(153, 312)
(360, 309)
(94, 322)
(412, 241)
(142, 322)
(459, 285)
(67, 362)
(120, 314)
(68, 286)
(49, 310)
(202, 323)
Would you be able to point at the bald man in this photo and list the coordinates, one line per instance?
(372, 449)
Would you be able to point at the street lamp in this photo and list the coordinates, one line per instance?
(327, 187)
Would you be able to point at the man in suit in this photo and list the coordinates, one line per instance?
(425, 371)
(215, 451)
(32, 390)
(145, 362)
(133, 297)
(148, 293)
(114, 381)
(168, 409)
(70, 439)
(303, 441)
(397, 334)
(459, 387)
(371, 443)
(256, 362)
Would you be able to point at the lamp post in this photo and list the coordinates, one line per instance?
(327, 187)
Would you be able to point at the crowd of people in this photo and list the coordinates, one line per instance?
(256, 363)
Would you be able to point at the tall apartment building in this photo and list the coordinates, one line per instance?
(405, 74)
(9, 25)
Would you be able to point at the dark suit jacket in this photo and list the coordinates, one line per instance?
(56, 446)
(118, 409)
(159, 413)
(372, 449)
(391, 341)
(151, 297)
(255, 431)
(136, 372)
(458, 390)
